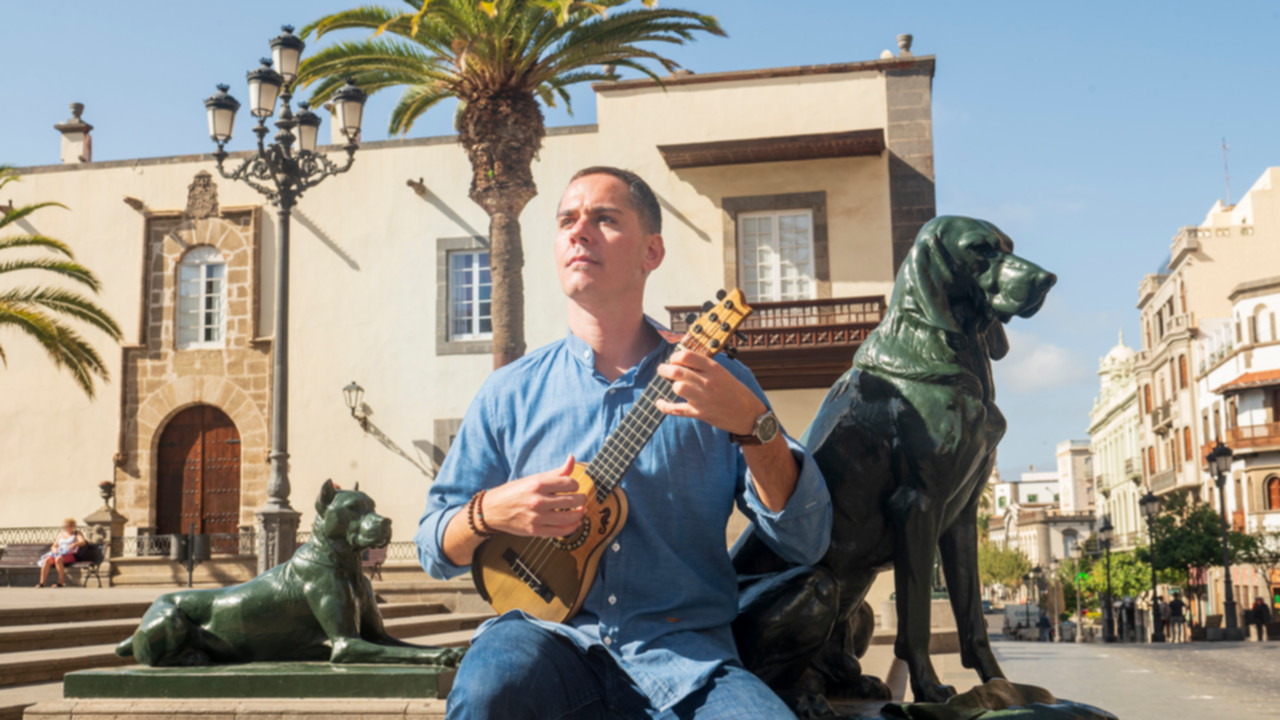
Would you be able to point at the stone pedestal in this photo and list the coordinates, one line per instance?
(277, 530)
(106, 526)
(262, 680)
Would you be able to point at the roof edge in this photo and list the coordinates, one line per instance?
(924, 62)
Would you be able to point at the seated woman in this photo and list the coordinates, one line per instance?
(61, 553)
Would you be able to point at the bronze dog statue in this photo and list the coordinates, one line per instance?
(317, 606)
(906, 440)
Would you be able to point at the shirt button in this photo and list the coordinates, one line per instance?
(608, 640)
(613, 390)
(616, 547)
(613, 599)
(586, 353)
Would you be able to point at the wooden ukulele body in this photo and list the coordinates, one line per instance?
(549, 578)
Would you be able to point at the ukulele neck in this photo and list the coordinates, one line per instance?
(632, 434)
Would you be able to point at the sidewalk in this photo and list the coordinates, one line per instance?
(71, 596)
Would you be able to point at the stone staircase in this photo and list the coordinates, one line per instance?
(38, 645)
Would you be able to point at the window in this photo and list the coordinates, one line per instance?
(1272, 489)
(1146, 390)
(1151, 459)
(201, 298)
(1032, 497)
(1186, 443)
(470, 286)
(1055, 497)
(1182, 371)
(1001, 502)
(777, 255)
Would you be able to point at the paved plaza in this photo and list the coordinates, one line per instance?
(1238, 681)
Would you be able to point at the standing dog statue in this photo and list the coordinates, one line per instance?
(906, 440)
(317, 606)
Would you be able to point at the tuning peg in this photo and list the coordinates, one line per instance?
(732, 352)
(697, 329)
(728, 304)
(713, 317)
(690, 317)
(707, 305)
(720, 294)
(724, 327)
(714, 343)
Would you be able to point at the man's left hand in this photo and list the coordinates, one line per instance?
(711, 393)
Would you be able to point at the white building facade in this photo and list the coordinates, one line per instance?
(1114, 427)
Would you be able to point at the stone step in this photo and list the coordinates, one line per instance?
(44, 615)
(254, 709)
(406, 609)
(456, 638)
(13, 700)
(40, 666)
(432, 624)
(457, 595)
(49, 636)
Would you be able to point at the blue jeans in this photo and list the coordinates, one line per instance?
(519, 671)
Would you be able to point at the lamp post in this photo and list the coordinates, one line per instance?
(1105, 533)
(281, 172)
(1150, 505)
(1053, 598)
(1077, 552)
(1220, 464)
(1026, 603)
(353, 394)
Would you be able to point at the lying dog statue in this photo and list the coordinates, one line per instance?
(906, 440)
(317, 606)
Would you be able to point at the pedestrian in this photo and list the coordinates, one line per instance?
(1177, 618)
(61, 553)
(1045, 626)
(1164, 616)
(1130, 619)
(1260, 615)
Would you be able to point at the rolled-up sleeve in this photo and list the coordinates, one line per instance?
(801, 531)
(474, 462)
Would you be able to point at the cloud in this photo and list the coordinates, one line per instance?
(1034, 365)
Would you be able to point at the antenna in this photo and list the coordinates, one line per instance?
(1225, 171)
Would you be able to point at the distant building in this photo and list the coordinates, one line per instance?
(1075, 476)
(1238, 392)
(1114, 427)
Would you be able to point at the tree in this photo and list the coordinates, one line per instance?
(1262, 550)
(498, 58)
(1000, 565)
(1189, 537)
(40, 311)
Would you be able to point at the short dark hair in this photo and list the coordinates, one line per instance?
(643, 201)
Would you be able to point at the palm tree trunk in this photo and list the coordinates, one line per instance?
(502, 134)
(506, 263)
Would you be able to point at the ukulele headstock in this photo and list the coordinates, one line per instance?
(713, 330)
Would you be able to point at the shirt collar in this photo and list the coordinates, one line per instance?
(583, 353)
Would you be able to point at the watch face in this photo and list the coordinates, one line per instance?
(767, 428)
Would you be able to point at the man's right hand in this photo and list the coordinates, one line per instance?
(542, 505)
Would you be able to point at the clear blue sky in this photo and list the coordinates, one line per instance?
(1089, 131)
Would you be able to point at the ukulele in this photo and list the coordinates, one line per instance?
(549, 578)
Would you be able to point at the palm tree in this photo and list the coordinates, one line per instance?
(498, 59)
(40, 311)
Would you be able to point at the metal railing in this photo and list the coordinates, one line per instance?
(33, 535)
(160, 545)
(1163, 480)
(1162, 415)
(397, 551)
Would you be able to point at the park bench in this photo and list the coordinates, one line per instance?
(371, 561)
(21, 558)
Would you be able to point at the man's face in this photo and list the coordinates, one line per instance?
(602, 249)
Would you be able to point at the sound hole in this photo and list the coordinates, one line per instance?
(574, 541)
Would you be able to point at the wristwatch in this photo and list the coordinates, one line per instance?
(763, 432)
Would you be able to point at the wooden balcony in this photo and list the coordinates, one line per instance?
(800, 343)
(1248, 438)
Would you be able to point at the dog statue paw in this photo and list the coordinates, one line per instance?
(317, 606)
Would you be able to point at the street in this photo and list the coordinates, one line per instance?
(1153, 682)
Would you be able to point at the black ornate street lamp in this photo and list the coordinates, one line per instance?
(1220, 464)
(1105, 533)
(1077, 553)
(281, 172)
(1150, 505)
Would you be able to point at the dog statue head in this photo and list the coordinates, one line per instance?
(962, 276)
(348, 516)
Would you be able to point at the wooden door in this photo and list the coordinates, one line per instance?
(198, 475)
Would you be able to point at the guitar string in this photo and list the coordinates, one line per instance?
(646, 412)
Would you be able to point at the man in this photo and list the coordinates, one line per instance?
(1045, 626)
(1177, 619)
(653, 638)
(1162, 615)
(1260, 615)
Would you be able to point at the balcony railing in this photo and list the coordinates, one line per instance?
(1162, 481)
(1162, 416)
(1251, 437)
(1186, 241)
(1132, 468)
(800, 343)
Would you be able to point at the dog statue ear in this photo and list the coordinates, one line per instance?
(926, 278)
(357, 487)
(327, 493)
(997, 340)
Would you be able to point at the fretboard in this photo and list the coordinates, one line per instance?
(632, 434)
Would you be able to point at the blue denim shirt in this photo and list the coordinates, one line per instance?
(665, 592)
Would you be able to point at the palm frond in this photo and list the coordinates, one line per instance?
(17, 241)
(63, 346)
(413, 103)
(17, 213)
(73, 270)
(64, 302)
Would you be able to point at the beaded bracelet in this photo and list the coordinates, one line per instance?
(473, 510)
(485, 530)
